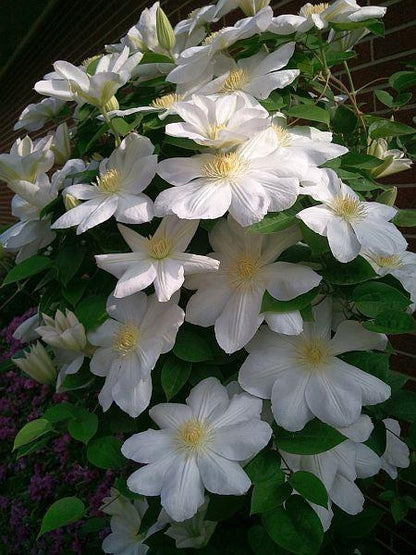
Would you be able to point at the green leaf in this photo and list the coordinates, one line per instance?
(264, 467)
(29, 267)
(186, 144)
(355, 160)
(391, 322)
(376, 364)
(261, 543)
(68, 261)
(296, 527)
(377, 439)
(62, 512)
(385, 98)
(192, 347)
(403, 80)
(272, 222)
(270, 304)
(318, 244)
(84, 426)
(310, 487)
(92, 312)
(269, 495)
(316, 437)
(105, 452)
(405, 218)
(58, 413)
(344, 120)
(175, 374)
(387, 128)
(31, 431)
(399, 509)
(309, 112)
(402, 404)
(373, 297)
(357, 526)
(357, 271)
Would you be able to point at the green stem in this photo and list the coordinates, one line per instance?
(117, 139)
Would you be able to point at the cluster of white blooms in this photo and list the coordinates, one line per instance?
(246, 163)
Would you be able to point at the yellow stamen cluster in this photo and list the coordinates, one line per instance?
(314, 353)
(126, 339)
(313, 9)
(110, 181)
(193, 435)
(159, 247)
(214, 130)
(90, 60)
(224, 165)
(166, 101)
(208, 40)
(244, 271)
(392, 261)
(348, 208)
(235, 81)
(283, 136)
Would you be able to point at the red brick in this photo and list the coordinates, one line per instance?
(396, 42)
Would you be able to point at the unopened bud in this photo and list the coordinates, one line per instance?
(37, 364)
(61, 144)
(112, 104)
(388, 197)
(164, 30)
(70, 201)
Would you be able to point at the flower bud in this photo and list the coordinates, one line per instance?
(164, 30)
(251, 7)
(388, 197)
(61, 145)
(394, 159)
(37, 364)
(64, 331)
(112, 104)
(70, 201)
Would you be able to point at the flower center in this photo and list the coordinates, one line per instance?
(109, 182)
(224, 166)
(314, 353)
(392, 261)
(235, 81)
(244, 271)
(166, 101)
(208, 40)
(159, 248)
(283, 136)
(214, 130)
(90, 60)
(348, 208)
(194, 435)
(313, 9)
(193, 13)
(126, 339)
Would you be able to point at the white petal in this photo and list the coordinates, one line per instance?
(360, 430)
(249, 201)
(207, 397)
(132, 395)
(206, 305)
(99, 214)
(169, 278)
(170, 415)
(316, 218)
(287, 323)
(179, 171)
(342, 240)
(149, 479)
(373, 390)
(134, 209)
(148, 446)
(347, 496)
(239, 442)
(367, 462)
(242, 407)
(287, 281)
(136, 278)
(127, 310)
(289, 406)
(351, 336)
(222, 476)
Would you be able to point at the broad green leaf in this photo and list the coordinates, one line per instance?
(310, 487)
(357, 526)
(385, 98)
(296, 527)
(264, 467)
(399, 509)
(68, 261)
(62, 512)
(105, 452)
(269, 495)
(28, 268)
(316, 437)
(175, 374)
(387, 128)
(402, 404)
(31, 431)
(318, 244)
(186, 144)
(261, 543)
(270, 304)
(192, 347)
(377, 439)
(309, 112)
(92, 312)
(272, 222)
(84, 426)
(355, 160)
(58, 413)
(344, 120)
(222, 507)
(405, 218)
(373, 297)
(403, 80)
(392, 322)
(357, 271)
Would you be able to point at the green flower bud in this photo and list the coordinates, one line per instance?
(164, 30)
(388, 197)
(112, 104)
(70, 201)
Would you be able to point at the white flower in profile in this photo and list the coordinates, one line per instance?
(129, 344)
(256, 76)
(164, 106)
(249, 181)
(36, 115)
(231, 298)
(198, 61)
(118, 191)
(219, 123)
(126, 521)
(61, 144)
(200, 445)
(304, 377)
(160, 259)
(249, 7)
(339, 467)
(394, 160)
(26, 160)
(37, 364)
(193, 533)
(401, 265)
(66, 335)
(321, 15)
(196, 18)
(69, 82)
(349, 223)
(397, 454)
(26, 332)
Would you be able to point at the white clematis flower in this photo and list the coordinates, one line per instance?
(347, 222)
(231, 298)
(257, 76)
(118, 191)
(248, 182)
(27, 160)
(304, 377)
(397, 454)
(249, 7)
(322, 14)
(164, 106)
(194, 533)
(160, 260)
(200, 445)
(126, 520)
(129, 344)
(37, 364)
(35, 116)
(198, 61)
(218, 123)
(395, 160)
(70, 82)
